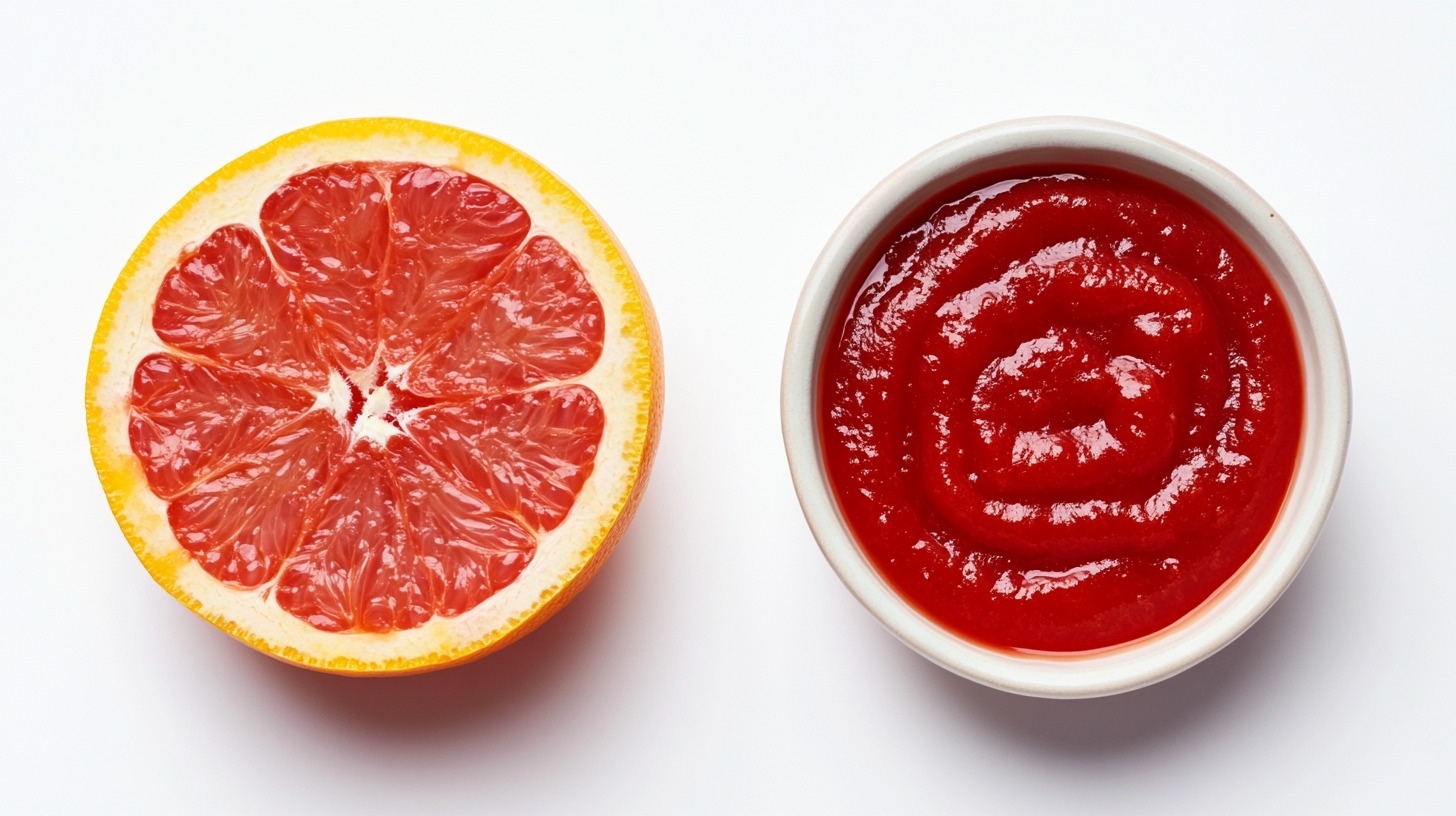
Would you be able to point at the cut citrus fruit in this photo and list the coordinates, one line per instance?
(378, 397)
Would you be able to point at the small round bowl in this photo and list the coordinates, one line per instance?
(1326, 430)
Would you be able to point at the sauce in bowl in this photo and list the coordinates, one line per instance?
(1061, 408)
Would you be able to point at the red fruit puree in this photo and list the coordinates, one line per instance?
(1061, 408)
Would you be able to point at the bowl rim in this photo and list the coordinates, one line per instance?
(1251, 591)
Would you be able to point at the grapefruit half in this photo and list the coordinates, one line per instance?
(377, 397)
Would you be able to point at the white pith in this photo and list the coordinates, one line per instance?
(559, 553)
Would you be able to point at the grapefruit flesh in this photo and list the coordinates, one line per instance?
(372, 402)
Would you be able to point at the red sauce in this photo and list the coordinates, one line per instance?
(1062, 409)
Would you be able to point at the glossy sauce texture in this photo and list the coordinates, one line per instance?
(1062, 409)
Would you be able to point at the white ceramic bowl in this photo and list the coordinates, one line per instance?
(1251, 591)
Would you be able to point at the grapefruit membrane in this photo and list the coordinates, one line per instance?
(377, 397)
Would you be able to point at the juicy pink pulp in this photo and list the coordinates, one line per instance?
(361, 409)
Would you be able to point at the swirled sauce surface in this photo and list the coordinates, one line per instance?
(1062, 408)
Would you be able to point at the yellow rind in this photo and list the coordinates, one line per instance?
(122, 479)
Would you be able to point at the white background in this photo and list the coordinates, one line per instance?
(717, 664)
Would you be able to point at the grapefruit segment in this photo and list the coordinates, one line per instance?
(449, 231)
(328, 229)
(527, 454)
(539, 321)
(396, 543)
(189, 419)
(469, 549)
(241, 523)
(224, 301)
(357, 569)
